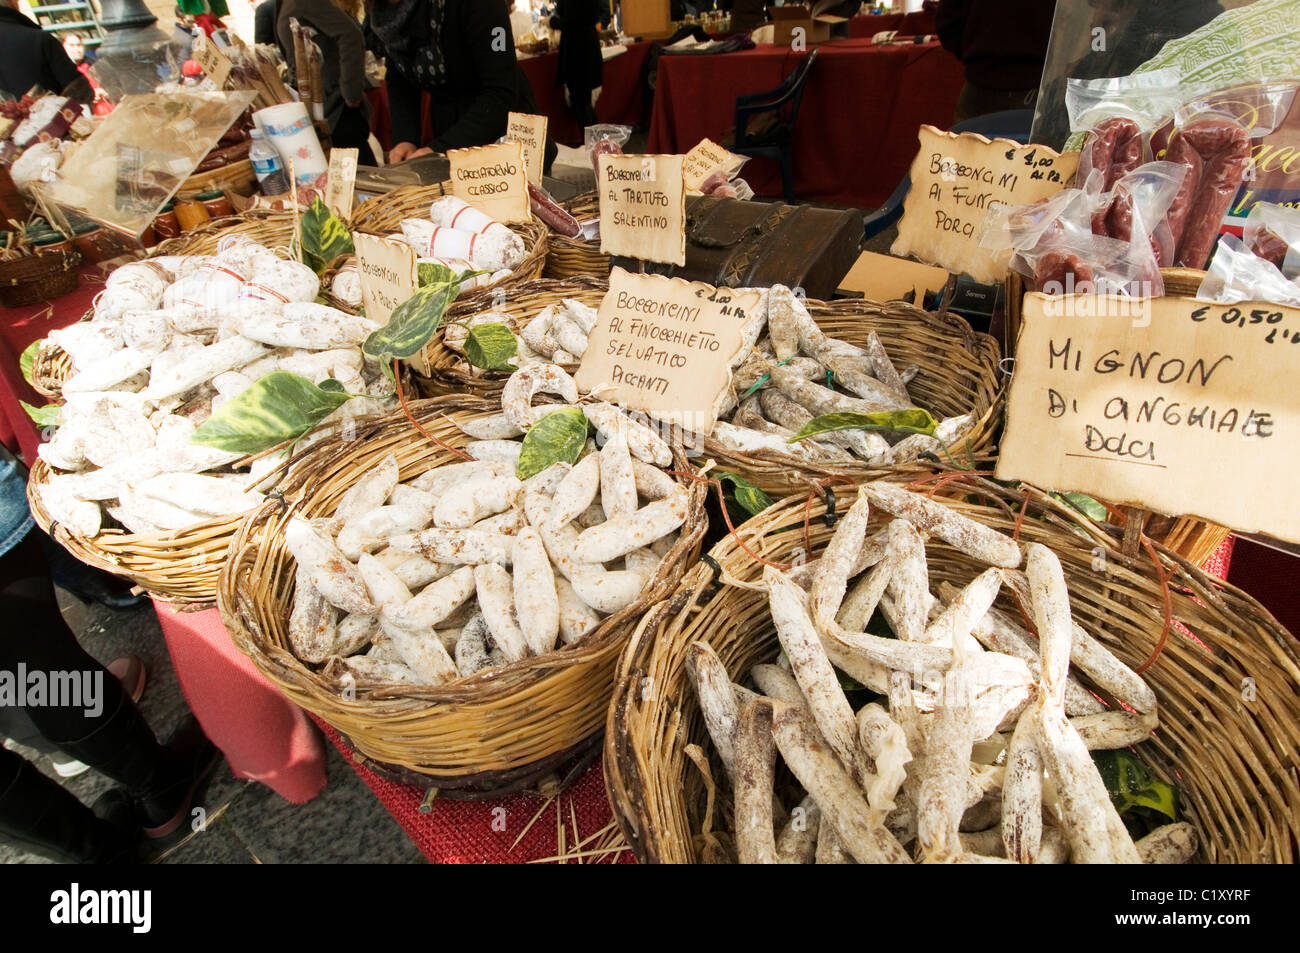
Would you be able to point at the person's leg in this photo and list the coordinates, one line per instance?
(106, 730)
(353, 132)
(39, 816)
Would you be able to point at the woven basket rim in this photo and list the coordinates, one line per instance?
(254, 593)
(638, 781)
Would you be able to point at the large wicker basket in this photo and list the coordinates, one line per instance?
(181, 566)
(446, 372)
(1229, 705)
(494, 733)
(572, 257)
(1194, 539)
(36, 278)
(274, 229)
(268, 227)
(958, 374)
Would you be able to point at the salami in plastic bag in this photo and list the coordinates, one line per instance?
(1214, 149)
(1236, 274)
(605, 139)
(1272, 232)
(1115, 117)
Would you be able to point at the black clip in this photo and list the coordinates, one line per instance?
(831, 517)
(711, 589)
(275, 494)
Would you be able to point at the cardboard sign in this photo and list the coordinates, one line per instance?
(530, 132)
(342, 182)
(884, 278)
(956, 180)
(493, 179)
(642, 207)
(1184, 407)
(704, 159)
(388, 275)
(215, 64)
(666, 346)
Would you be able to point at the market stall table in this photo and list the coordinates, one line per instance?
(905, 24)
(856, 131)
(622, 95)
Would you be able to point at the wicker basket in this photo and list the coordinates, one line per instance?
(1233, 755)
(493, 733)
(446, 372)
(36, 278)
(571, 257)
(51, 366)
(265, 226)
(1196, 540)
(237, 177)
(181, 566)
(384, 213)
(958, 374)
(273, 229)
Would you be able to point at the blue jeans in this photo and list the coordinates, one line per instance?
(15, 517)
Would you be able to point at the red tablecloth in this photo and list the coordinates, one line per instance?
(621, 96)
(856, 133)
(264, 736)
(907, 24)
(19, 327)
(477, 832)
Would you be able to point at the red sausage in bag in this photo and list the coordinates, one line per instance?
(1223, 146)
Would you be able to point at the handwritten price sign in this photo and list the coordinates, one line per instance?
(1172, 404)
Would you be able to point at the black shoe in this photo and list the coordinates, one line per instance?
(41, 817)
(116, 808)
(166, 811)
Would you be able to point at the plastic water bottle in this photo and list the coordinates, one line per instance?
(267, 166)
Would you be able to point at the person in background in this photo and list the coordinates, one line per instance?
(82, 57)
(580, 64)
(31, 57)
(462, 54)
(264, 17)
(343, 66)
(102, 728)
(1002, 45)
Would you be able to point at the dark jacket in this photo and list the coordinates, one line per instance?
(484, 82)
(580, 63)
(264, 15)
(342, 46)
(31, 57)
(1001, 43)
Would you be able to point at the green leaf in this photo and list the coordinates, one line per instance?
(1087, 506)
(912, 420)
(433, 273)
(324, 236)
(491, 346)
(749, 497)
(27, 360)
(279, 407)
(1131, 784)
(556, 438)
(412, 324)
(51, 415)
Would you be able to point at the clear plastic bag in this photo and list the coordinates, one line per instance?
(1113, 119)
(1235, 274)
(1054, 247)
(1272, 232)
(1215, 149)
(605, 139)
